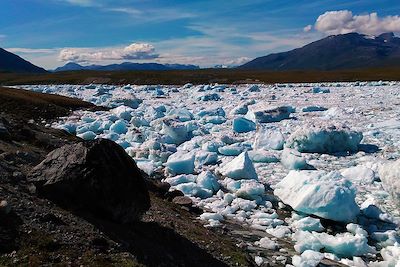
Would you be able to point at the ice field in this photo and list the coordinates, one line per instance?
(243, 152)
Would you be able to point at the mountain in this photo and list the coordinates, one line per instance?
(126, 66)
(346, 51)
(10, 62)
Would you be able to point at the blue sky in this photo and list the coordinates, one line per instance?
(205, 32)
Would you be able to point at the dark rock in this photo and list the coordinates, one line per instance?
(4, 133)
(5, 208)
(100, 243)
(95, 176)
(183, 201)
(170, 195)
(156, 186)
(51, 218)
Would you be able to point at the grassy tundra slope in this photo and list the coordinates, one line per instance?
(199, 76)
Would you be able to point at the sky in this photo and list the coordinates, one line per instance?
(50, 33)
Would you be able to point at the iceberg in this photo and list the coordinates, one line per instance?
(325, 139)
(342, 245)
(293, 160)
(243, 125)
(390, 177)
(240, 167)
(176, 130)
(262, 156)
(266, 114)
(327, 195)
(181, 162)
(308, 258)
(119, 127)
(268, 138)
(123, 112)
(208, 181)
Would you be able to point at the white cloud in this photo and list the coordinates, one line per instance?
(126, 10)
(152, 14)
(237, 61)
(307, 28)
(343, 21)
(31, 50)
(82, 2)
(135, 51)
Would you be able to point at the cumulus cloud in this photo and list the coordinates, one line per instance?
(307, 28)
(22, 50)
(82, 2)
(135, 51)
(237, 61)
(343, 21)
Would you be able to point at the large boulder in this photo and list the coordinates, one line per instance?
(95, 176)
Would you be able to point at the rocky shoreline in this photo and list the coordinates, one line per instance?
(36, 232)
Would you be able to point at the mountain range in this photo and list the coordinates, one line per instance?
(126, 66)
(346, 51)
(10, 62)
(336, 52)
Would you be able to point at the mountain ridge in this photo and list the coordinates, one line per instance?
(71, 66)
(10, 62)
(335, 52)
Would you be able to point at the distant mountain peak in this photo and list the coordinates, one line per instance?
(126, 66)
(343, 51)
(10, 62)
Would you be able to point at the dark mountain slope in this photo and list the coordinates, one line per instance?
(346, 51)
(10, 62)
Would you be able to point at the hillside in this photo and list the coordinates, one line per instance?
(10, 62)
(337, 52)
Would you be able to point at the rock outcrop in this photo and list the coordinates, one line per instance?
(95, 176)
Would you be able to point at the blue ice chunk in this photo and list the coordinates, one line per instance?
(89, 135)
(68, 127)
(123, 143)
(212, 112)
(243, 125)
(206, 158)
(232, 150)
(177, 131)
(293, 160)
(239, 168)
(209, 97)
(180, 163)
(193, 189)
(208, 181)
(215, 120)
(240, 110)
(119, 127)
(181, 114)
(254, 88)
(112, 136)
(313, 109)
(181, 179)
(87, 119)
(212, 146)
(318, 90)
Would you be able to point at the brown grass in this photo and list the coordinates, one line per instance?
(199, 76)
(27, 104)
